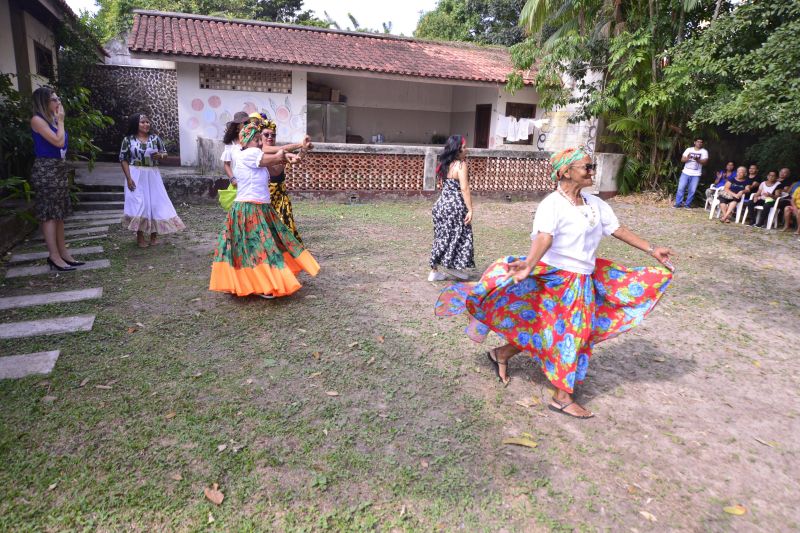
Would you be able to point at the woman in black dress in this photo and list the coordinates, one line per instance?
(452, 214)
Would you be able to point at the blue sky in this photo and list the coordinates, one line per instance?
(369, 13)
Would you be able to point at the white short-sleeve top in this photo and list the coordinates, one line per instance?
(227, 152)
(576, 231)
(252, 181)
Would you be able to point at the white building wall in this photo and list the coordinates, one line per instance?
(465, 98)
(205, 112)
(8, 63)
(37, 32)
(404, 112)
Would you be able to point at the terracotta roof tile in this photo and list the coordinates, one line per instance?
(176, 34)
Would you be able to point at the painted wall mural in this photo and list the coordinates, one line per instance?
(209, 115)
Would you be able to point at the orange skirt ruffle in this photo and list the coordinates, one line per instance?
(263, 278)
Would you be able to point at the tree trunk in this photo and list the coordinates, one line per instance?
(681, 22)
(717, 9)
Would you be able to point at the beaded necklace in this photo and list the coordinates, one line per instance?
(589, 214)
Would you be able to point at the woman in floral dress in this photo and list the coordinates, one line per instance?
(452, 214)
(256, 253)
(148, 208)
(559, 301)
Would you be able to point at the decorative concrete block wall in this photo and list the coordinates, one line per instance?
(120, 91)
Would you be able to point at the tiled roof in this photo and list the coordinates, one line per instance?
(181, 34)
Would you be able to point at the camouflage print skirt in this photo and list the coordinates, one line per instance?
(50, 182)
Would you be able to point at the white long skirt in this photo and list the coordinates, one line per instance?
(148, 208)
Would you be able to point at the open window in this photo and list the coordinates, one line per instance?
(44, 60)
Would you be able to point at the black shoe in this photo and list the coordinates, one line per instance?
(54, 266)
(74, 263)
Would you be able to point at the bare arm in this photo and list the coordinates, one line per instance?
(463, 181)
(519, 270)
(40, 126)
(226, 166)
(661, 254)
(126, 169)
(305, 145)
(269, 160)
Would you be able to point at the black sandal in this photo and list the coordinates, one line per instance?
(561, 407)
(496, 364)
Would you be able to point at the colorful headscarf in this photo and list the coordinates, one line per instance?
(564, 158)
(269, 124)
(248, 132)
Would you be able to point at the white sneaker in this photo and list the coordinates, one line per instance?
(459, 274)
(436, 276)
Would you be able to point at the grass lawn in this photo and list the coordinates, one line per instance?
(349, 407)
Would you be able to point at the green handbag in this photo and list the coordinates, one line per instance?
(226, 197)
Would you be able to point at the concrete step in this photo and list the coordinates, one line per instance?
(35, 256)
(73, 224)
(87, 215)
(102, 196)
(78, 231)
(104, 188)
(47, 326)
(37, 270)
(20, 366)
(31, 300)
(99, 206)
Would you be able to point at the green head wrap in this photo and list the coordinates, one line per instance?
(565, 158)
(248, 133)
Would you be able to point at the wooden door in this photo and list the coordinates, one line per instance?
(483, 119)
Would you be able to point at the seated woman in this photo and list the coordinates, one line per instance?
(793, 209)
(721, 178)
(733, 193)
(768, 192)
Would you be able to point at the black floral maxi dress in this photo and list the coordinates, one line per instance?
(452, 239)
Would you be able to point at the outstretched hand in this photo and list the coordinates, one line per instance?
(518, 270)
(291, 158)
(662, 255)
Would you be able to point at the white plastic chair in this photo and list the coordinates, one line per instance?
(710, 201)
(715, 204)
(740, 207)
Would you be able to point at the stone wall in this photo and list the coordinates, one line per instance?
(120, 91)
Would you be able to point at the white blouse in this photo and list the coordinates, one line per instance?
(252, 181)
(576, 231)
(227, 152)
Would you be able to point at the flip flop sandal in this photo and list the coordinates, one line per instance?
(561, 410)
(496, 365)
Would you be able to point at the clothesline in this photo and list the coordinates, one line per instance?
(513, 129)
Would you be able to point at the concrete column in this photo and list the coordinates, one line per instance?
(608, 168)
(429, 177)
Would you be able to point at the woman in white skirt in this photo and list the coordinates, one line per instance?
(148, 208)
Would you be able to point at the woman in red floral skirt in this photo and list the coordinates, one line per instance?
(559, 301)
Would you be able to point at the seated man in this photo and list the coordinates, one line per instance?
(793, 209)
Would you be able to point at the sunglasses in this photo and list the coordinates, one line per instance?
(269, 135)
(589, 166)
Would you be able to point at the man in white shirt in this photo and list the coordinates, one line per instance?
(694, 158)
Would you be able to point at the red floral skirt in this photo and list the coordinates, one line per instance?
(555, 315)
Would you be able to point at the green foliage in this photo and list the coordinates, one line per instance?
(116, 16)
(773, 152)
(480, 21)
(16, 145)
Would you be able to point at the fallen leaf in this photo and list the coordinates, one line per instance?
(372, 360)
(210, 518)
(659, 359)
(520, 441)
(424, 464)
(315, 374)
(132, 330)
(765, 443)
(83, 383)
(528, 402)
(52, 486)
(109, 383)
(104, 387)
(632, 489)
(757, 363)
(140, 324)
(170, 415)
(49, 399)
(381, 339)
(176, 476)
(222, 447)
(737, 510)
(649, 516)
(316, 355)
(214, 495)
(301, 330)
(197, 375)
(332, 393)
(249, 381)
(527, 436)
(195, 299)
(352, 344)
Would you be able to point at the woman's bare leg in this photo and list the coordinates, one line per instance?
(50, 233)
